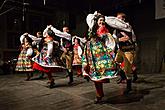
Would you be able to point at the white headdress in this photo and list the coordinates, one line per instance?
(90, 20)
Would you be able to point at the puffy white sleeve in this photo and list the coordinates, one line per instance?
(83, 40)
(133, 36)
(61, 34)
(29, 52)
(21, 38)
(117, 23)
(50, 49)
(45, 31)
(32, 37)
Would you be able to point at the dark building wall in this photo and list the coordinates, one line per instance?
(150, 33)
(2, 35)
(12, 27)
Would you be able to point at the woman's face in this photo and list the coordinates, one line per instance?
(26, 41)
(101, 21)
(76, 41)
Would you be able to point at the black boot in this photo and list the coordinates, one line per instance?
(31, 74)
(51, 84)
(98, 100)
(70, 74)
(122, 77)
(129, 86)
(87, 78)
(28, 77)
(135, 77)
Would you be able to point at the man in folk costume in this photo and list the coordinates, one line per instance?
(126, 54)
(66, 47)
(67, 55)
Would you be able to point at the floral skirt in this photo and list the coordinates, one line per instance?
(98, 62)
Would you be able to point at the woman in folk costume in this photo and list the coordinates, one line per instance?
(37, 41)
(24, 63)
(97, 59)
(46, 61)
(77, 54)
(66, 50)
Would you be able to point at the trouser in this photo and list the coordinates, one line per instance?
(126, 59)
(68, 59)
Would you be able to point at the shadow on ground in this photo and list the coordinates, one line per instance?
(134, 96)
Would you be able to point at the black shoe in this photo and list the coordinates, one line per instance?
(52, 84)
(70, 82)
(27, 79)
(119, 81)
(67, 76)
(70, 75)
(87, 78)
(135, 77)
(98, 100)
(127, 91)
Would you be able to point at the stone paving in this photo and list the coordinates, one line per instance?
(16, 94)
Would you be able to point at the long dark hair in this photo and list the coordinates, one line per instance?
(95, 27)
(28, 39)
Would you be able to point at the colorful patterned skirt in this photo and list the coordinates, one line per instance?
(24, 63)
(50, 64)
(98, 62)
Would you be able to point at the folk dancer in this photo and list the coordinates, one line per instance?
(97, 59)
(126, 54)
(24, 63)
(46, 61)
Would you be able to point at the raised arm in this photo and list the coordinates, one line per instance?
(61, 34)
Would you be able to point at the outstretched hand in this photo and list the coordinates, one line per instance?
(49, 26)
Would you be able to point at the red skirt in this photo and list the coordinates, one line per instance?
(36, 66)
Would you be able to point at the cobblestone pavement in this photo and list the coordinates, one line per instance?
(16, 94)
